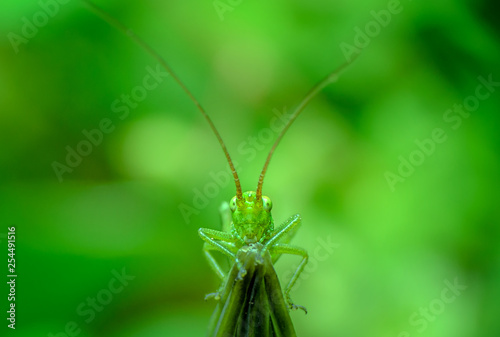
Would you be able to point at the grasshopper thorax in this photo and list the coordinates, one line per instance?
(252, 220)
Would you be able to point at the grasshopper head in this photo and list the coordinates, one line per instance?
(252, 220)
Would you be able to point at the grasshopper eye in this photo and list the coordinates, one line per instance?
(268, 204)
(232, 204)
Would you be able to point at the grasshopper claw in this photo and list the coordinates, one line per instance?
(295, 307)
(215, 296)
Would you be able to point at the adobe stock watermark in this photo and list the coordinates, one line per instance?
(31, 26)
(452, 117)
(223, 6)
(219, 180)
(321, 253)
(93, 305)
(424, 316)
(363, 36)
(121, 107)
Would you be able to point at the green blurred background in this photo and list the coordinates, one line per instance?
(393, 248)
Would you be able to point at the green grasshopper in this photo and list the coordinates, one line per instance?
(253, 244)
(251, 302)
(251, 228)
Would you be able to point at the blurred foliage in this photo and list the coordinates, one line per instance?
(119, 208)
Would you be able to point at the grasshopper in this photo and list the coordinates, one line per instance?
(251, 229)
(250, 299)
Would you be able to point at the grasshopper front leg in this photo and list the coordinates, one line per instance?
(284, 233)
(218, 241)
(282, 248)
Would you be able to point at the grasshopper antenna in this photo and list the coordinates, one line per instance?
(330, 78)
(121, 27)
